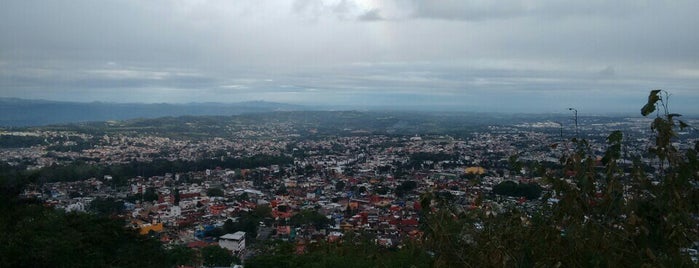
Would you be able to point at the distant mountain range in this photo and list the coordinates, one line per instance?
(22, 112)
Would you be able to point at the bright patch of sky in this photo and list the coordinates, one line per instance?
(478, 55)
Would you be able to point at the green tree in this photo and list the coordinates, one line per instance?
(182, 255)
(150, 195)
(243, 197)
(107, 206)
(262, 212)
(310, 217)
(177, 196)
(339, 185)
(214, 192)
(511, 188)
(34, 236)
(217, 256)
(405, 187)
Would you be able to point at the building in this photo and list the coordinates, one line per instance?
(234, 242)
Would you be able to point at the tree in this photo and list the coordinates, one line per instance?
(262, 212)
(243, 197)
(217, 256)
(214, 192)
(310, 217)
(182, 255)
(247, 222)
(107, 206)
(405, 187)
(339, 185)
(150, 195)
(511, 188)
(177, 197)
(35, 236)
(282, 190)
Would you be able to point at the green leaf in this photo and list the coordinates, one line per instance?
(657, 123)
(652, 99)
(615, 137)
(647, 109)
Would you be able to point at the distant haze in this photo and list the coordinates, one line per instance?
(474, 55)
(18, 112)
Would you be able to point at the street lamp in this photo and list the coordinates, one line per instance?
(575, 112)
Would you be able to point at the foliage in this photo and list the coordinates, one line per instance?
(182, 255)
(510, 188)
(405, 187)
(80, 170)
(604, 217)
(177, 196)
(352, 251)
(35, 236)
(214, 192)
(339, 186)
(12, 141)
(247, 222)
(150, 195)
(107, 206)
(243, 197)
(310, 217)
(217, 256)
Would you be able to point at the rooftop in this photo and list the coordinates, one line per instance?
(234, 236)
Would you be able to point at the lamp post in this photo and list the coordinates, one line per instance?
(575, 112)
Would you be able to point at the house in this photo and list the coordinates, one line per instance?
(234, 242)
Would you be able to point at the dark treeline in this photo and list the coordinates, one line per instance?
(511, 188)
(38, 236)
(82, 170)
(11, 141)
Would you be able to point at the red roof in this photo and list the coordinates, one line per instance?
(409, 222)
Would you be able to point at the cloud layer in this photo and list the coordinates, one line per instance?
(519, 55)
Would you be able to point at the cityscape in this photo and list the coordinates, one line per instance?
(259, 178)
(349, 133)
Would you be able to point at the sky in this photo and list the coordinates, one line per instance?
(530, 56)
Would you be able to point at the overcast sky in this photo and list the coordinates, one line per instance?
(482, 55)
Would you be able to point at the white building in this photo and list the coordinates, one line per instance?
(175, 211)
(234, 242)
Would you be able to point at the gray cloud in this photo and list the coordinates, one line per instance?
(607, 72)
(371, 15)
(344, 51)
(469, 10)
(478, 10)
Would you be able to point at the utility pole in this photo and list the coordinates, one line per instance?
(560, 125)
(575, 112)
